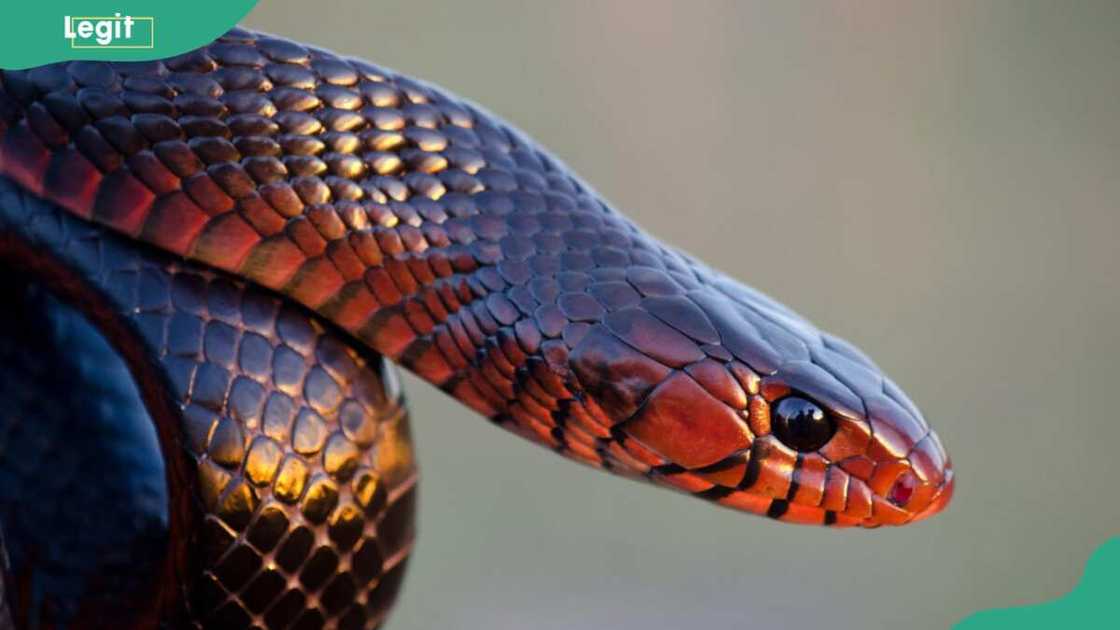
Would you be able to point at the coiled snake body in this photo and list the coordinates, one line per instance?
(210, 261)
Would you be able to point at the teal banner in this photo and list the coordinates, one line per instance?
(1091, 604)
(41, 32)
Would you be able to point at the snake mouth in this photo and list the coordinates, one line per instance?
(940, 498)
(910, 499)
(927, 487)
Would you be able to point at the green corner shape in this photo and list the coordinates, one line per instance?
(1093, 602)
(38, 32)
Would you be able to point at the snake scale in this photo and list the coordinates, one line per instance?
(209, 262)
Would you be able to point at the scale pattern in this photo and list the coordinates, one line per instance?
(447, 241)
(302, 478)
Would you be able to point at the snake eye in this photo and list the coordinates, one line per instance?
(801, 424)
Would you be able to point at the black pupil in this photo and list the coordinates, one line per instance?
(801, 424)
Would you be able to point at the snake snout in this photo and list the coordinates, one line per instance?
(911, 476)
(927, 487)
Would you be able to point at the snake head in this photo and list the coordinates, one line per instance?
(715, 389)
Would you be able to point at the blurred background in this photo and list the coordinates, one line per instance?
(937, 182)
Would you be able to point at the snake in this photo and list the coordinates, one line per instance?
(212, 265)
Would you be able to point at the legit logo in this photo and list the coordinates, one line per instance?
(110, 32)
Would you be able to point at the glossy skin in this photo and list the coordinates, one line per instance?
(438, 236)
(290, 481)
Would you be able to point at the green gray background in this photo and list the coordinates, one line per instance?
(936, 182)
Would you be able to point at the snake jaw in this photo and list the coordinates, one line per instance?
(906, 487)
(927, 487)
(941, 497)
(913, 477)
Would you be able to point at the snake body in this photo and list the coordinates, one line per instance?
(231, 245)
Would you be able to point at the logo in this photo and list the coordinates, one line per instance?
(110, 32)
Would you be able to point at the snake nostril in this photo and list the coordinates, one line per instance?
(903, 489)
